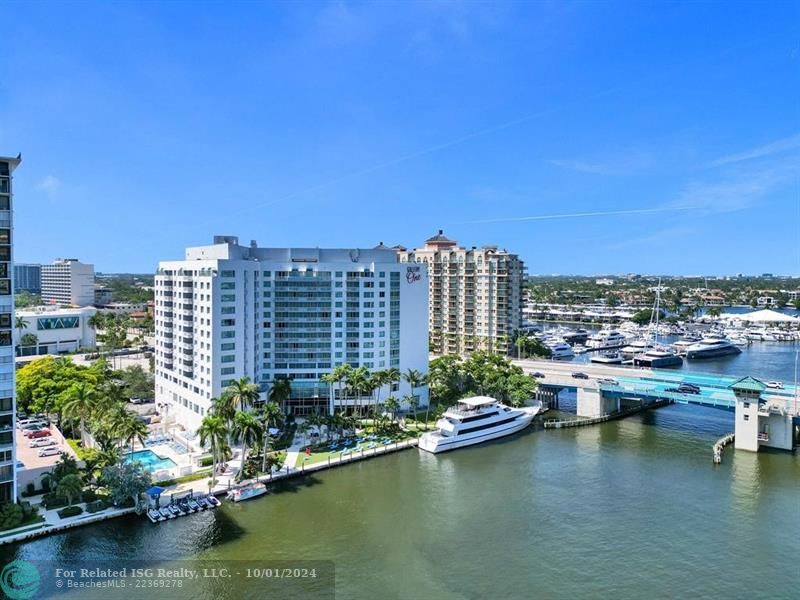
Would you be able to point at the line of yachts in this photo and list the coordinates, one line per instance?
(642, 347)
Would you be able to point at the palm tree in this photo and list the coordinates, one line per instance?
(243, 393)
(223, 408)
(379, 379)
(415, 379)
(413, 404)
(81, 402)
(280, 392)
(69, 487)
(340, 374)
(330, 379)
(392, 405)
(212, 431)
(247, 430)
(356, 383)
(132, 429)
(20, 323)
(520, 343)
(271, 414)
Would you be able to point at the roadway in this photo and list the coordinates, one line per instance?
(714, 389)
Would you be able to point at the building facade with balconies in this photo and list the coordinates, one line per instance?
(475, 295)
(229, 311)
(8, 459)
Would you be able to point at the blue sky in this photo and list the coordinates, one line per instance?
(148, 127)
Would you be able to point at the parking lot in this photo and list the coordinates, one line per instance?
(30, 456)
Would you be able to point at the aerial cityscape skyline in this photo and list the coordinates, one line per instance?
(665, 147)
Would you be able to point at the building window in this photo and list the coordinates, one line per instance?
(228, 297)
(746, 417)
(5, 338)
(227, 285)
(228, 358)
(229, 346)
(227, 274)
(747, 405)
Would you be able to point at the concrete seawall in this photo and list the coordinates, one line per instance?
(555, 424)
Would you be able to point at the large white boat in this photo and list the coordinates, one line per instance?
(658, 358)
(607, 338)
(560, 349)
(245, 493)
(712, 346)
(612, 357)
(476, 420)
(637, 346)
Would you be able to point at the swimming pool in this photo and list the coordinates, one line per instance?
(150, 460)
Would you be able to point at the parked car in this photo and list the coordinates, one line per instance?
(580, 375)
(52, 451)
(687, 389)
(33, 425)
(28, 431)
(39, 434)
(538, 375)
(41, 442)
(775, 385)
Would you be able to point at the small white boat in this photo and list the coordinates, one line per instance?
(155, 516)
(245, 493)
(476, 420)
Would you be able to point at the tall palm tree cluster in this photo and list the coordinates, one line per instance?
(239, 416)
(102, 413)
(356, 391)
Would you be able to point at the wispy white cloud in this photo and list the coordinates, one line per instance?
(49, 184)
(740, 190)
(667, 234)
(627, 162)
(776, 147)
(597, 213)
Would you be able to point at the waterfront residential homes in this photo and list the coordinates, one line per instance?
(229, 311)
(475, 294)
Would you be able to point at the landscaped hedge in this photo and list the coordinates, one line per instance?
(185, 478)
(96, 506)
(205, 462)
(51, 500)
(88, 496)
(70, 511)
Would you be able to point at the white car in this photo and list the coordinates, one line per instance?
(775, 385)
(51, 451)
(41, 442)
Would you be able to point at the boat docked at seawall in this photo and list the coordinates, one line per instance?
(658, 358)
(559, 349)
(711, 347)
(476, 420)
(607, 358)
(247, 492)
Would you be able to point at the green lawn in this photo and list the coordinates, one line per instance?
(321, 453)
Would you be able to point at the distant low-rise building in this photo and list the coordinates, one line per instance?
(48, 330)
(103, 296)
(604, 281)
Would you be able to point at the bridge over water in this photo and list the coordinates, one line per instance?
(768, 416)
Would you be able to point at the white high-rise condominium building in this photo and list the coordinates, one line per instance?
(229, 311)
(475, 297)
(68, 281)
(8, 460)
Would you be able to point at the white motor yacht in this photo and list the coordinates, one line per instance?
(560, 349)
(606, 338)
(637, 346)
(712, 346)
(613, 357)
(476, 420)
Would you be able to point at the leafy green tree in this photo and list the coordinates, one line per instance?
(127, 480)
(11, 515)
(392, 405)
(80, 403)
(271, 416)
(242, 394)
(213, 432)
(136, 382)
(247, 431)
(280, 391)
(69, 487)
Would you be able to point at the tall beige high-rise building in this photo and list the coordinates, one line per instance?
(475, 295)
